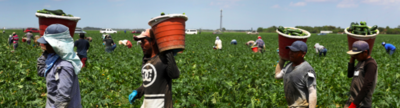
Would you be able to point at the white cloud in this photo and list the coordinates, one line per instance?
(225, 3)
(275, 6)
(47, 6)
(347, 4)
(319, 0)
(298, 4)
(115, 0)
(382, 2)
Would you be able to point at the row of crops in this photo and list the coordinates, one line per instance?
(232, 77)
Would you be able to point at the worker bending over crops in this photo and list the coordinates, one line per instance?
(390, 49)
(60, 66)
(234, 42)
(260, 44)
(320, 49)
(82, 47)
(110, 45)
(158, 70)
(125, 43)
(29, 36)
(364, 74)
(250, 43)
(35, 41)
(299, 79)
(218, 44)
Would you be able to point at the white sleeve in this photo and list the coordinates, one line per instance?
(280, 75)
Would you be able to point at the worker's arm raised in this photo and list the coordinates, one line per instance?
(278, 70)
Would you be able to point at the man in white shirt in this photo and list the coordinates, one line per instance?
(320, 49)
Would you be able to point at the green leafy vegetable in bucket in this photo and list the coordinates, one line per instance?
(291, 32)
(362, 28)
(54, 12)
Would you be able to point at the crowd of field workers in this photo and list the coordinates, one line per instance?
(60, 65)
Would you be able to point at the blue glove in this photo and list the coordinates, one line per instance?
(132, 96)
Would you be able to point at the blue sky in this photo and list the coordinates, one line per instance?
(237, 14)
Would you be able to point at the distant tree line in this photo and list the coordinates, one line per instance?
(318, 29)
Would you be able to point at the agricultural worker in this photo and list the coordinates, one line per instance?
(364, 74)
(82, 47)
(109, 44)
(139, 41)
(389, 48)
(260, 44)
(125, 43)
(320, 49)
(4, 30)
(35, 41)
(89, 39)
(15, 41)
(29, 35)
(60, 67)
(234, 42)
(299, 79)
(218, 44)
(158, 70)
(250, 43)
(10, 39)
(103, 36)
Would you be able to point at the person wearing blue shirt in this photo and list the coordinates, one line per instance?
(390, 49)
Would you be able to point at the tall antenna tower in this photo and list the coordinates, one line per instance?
(220, 26)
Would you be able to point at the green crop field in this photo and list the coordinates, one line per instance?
(232, 77)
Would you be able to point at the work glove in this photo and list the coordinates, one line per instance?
(132, 96)
(352, 105)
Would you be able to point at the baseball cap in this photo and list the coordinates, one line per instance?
(358, 47)
(142, 35)
(383, 43)
(53, 29)
(298, 46)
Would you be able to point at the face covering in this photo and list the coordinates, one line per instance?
(51, 59)
(63, 45)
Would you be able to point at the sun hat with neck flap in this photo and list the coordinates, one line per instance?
(57, 35)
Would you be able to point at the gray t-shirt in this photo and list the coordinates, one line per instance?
(297, 80)
(28, 36)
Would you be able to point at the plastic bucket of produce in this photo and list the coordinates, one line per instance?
(351, 38)
(48, 19)
(287, 40)
(23, 39)
(254, 49)
(169, 32)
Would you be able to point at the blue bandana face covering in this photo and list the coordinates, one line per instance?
(51, 59)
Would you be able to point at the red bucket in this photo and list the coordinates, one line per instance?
(351, 38)
(23, 39)
(169, 31)
(286, 40)
(47, 19)
(255, 49)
